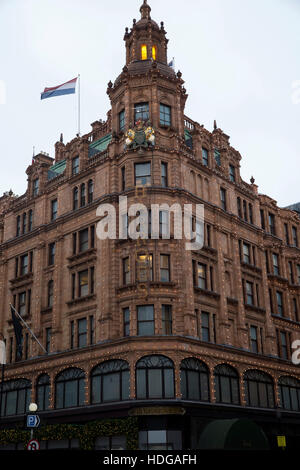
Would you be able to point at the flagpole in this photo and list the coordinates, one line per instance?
(31, 332)
(78, 105)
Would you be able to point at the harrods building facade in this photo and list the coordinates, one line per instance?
(145, 328)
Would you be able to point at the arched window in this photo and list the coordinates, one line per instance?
(90, 191)
(289, 392)
(154, 52)
(259, 389)
(82, 195)
(69, 388)
(144, 52)
(194, 380)
(15, 397)
(110, 382)
(43, 392)
(227, 384)
(155, 378)
(75, 198)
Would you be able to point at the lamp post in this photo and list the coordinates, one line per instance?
(33, 409)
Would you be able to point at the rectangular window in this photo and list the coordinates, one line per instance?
(286, 234)
(295, 309)
(166, 311)
(217, 156)
(83, 240)
(275, 258)
(249, 293)
(253, 339)
(262, 219)
(165, 115)
(123, 178)
(126, 271)
(92, 329)
(204, 156)
(30, 220)
(141, 112)
(208, 235)
(54, 209)
(75, 198)
(164, 174)
(142, 174)
(223, 198)
(294, 236)
(232, 173)
(279, 298)
(145, 319)
(24, 223)
(283, 341)
(51, 254)
(75, 165)
(82, 333)
(246, 253)
(144, 270)
(50, 293)
(164, 224)
(201, 276)
(72, 335)
(90, 191)
(126, 321)
(82, 195)
(165, 268)
(24, 268)
(205, 333)
(250, 210)
(122, 120)
(83, 280)
(18, 231)
(298, 274)
(272, 224)
(35, 187)
(245, 211)
(267, 261)
(48, 340)
(22, 303)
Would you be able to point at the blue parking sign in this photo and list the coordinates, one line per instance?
(33, 421)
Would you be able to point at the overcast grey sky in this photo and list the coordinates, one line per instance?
(239, 58)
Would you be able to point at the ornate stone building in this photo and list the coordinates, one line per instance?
(144, 331)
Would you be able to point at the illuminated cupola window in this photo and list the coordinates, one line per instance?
(154, 52)
(144, 52)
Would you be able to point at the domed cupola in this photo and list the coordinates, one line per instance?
(146, 41)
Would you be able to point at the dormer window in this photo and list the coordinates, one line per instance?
(35, 187)
(217, 157)
(154, 52)
(144, 52)
(75, 165)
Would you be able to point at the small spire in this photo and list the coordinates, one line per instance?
(61, 139)
(215, 125)
(145, 11)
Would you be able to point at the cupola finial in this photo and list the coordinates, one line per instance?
(145, 11)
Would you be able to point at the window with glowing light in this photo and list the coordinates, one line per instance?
(144, 52)
(154, 52)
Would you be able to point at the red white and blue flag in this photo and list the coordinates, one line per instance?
(64, 89)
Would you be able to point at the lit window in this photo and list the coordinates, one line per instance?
(144, 52)
(154, 52)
